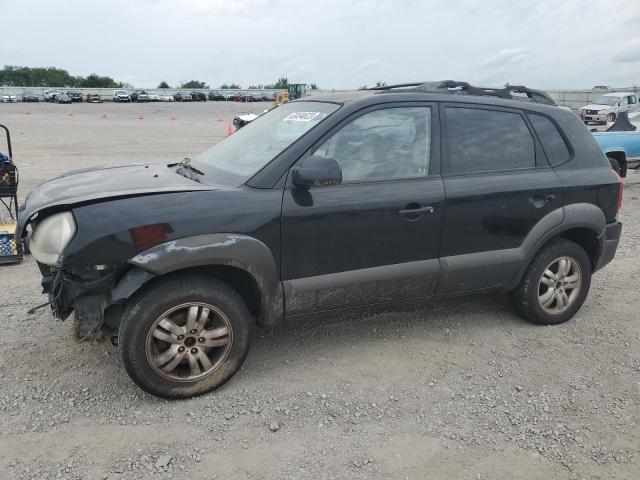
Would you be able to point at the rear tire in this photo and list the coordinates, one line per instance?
(185, 365)
(538, 301)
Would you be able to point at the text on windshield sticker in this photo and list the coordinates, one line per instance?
(301, 116)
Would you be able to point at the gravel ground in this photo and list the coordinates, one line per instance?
(464, 390)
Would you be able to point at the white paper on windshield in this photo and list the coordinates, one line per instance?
(301, 116)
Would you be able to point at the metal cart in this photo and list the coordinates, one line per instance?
(10, 249)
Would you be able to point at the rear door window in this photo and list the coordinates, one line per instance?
(552, 142)
(488, 140)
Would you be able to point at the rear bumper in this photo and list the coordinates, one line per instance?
(609, 244)
(633, 162)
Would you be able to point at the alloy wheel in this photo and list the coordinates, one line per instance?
(560, 285)
(189, 342)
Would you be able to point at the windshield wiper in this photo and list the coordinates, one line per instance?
(186, 170)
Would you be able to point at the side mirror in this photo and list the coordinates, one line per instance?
(317, 172)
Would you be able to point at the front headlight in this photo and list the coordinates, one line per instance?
(51, 237)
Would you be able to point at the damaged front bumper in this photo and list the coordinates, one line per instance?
(86, 291)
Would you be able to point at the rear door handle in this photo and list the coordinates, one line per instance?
(416, 211)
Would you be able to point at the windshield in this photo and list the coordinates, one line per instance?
(241, 155)
(607, 100)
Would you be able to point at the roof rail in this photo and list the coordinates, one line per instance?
(453, 87)
(397, 85)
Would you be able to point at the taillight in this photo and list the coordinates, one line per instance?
(620, 189)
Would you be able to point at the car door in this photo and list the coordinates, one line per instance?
(375, 236)
(623, 104)
(499, 186)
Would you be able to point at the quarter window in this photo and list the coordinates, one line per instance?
(552, 142)
(388, 144)
(488, 140)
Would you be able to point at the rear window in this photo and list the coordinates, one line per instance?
(488, 140)
(552, 142)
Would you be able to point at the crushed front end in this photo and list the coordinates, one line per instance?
(83, 290)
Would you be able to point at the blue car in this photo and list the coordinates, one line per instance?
(622, 148)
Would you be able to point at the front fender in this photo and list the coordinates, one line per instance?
(235, 250)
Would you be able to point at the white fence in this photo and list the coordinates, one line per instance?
(573, 99)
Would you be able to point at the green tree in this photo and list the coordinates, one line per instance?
(35, 76)
(163, 84)
(51, 77)
(96, 81)
(194, 84)
(282, 83)
(314, 86)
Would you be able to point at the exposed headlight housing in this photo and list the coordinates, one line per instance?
(51, 237)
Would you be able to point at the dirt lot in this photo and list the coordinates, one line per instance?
(465, 390)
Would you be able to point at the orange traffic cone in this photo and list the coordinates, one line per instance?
(229, 129)
(28, 112)
(104, 114)
(140, 116)
(173, 116)
(70, 113)
(220, 119)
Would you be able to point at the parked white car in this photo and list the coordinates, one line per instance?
(121, 96)
(166, 97)
(606, 108)
(154, 97)
(9, 98)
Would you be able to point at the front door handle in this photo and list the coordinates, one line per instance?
(416, 211)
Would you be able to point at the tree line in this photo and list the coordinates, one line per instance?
(17, 76)
(281, 84)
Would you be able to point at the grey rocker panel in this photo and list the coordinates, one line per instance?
(240, 251)
(403, 281)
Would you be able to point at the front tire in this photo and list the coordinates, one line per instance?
(184, 336)
(611, 117)
(555, 285)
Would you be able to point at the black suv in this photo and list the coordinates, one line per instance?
(362, 200)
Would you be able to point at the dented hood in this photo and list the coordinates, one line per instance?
(95, 184)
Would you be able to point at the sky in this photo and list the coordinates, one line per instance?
(332, 43)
